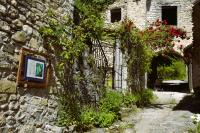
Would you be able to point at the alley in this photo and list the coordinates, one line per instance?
(162, 117)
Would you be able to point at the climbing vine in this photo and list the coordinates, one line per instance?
(140, 46)
(69, 37)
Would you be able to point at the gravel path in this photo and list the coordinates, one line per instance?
(160, 117)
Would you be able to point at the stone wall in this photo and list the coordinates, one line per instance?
(184, 17)
(118, 4)
(25, 110)
(134, 10)
(184, 7)
(144, 12)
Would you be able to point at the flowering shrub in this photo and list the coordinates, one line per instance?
(161, 36)
(141, 46)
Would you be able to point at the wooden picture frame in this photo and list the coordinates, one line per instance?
(29, 81)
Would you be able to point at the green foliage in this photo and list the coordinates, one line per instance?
(90, 60)
(67, 38)
(72, 34)
(58, 33)
(109, 108)
(130, 99)
(64, 118)
(107, 113)
(196, 130)
(145, 97)
(141, 98)
(176, 70)
(90, 15)
(138, 53)
(89, 117)
(69, 112)
(105, 119)
(111, 102)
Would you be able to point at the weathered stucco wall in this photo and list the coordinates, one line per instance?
(25, 110)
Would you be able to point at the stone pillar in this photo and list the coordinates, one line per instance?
(120, 69)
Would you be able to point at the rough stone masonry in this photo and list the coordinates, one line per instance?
(25, 110)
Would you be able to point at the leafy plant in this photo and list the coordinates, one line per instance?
(89, 117)
(69, 112)
(111, 102)
(108, 110)
(176, 70)
(105, 118)
(145, 97)
(130, 99)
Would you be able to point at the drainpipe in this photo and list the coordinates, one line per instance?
(190, 78)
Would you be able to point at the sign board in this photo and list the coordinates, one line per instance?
(34, 69)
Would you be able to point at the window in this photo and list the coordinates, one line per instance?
(115, 15)
(169, 13)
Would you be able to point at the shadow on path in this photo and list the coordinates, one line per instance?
(189, 103)
(155, 106)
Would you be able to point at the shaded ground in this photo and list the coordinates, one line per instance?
(161, 117)
(170, 113)
(189, 103)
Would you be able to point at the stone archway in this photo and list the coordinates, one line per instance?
(165, 58)
(196, 46)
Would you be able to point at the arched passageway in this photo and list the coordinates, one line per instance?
(196, 47)
(168, 68)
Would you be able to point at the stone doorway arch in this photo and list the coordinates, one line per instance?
(163, 58)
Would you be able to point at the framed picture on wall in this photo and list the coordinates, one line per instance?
(35, 69)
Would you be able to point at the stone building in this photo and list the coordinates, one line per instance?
(35, 110)
(33, 107)
(180, 13)
(25, 110)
